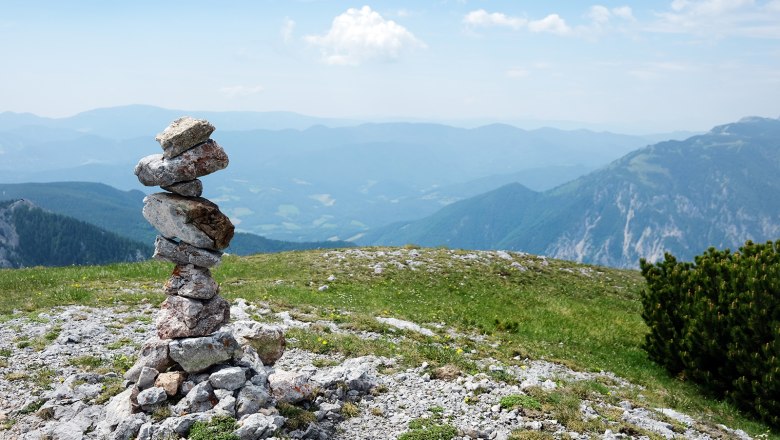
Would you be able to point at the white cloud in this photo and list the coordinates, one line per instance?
(599, 18)
(517, 72)
(287, 29)
(709, 7)
(553, 24)
(599, 14)
(678, 5)
(237, 91)
(624, 12)
(325, 199)
(484, 18)
(360, 35)
(720, 18)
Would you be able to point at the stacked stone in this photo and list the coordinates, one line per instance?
(193, 233)
(192, 229)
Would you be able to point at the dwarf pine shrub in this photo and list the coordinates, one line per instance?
(716, 321)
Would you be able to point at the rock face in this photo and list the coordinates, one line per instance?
(206, 158)
(154, 354)
(267, 340)
(183, 134)
(290, 387)
(193, 220)
(198, 354)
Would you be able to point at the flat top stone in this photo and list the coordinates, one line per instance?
(183, 134)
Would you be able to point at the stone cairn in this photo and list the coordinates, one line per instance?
(197, 367)
(194, 366)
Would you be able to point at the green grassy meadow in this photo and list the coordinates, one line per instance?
(585, 317)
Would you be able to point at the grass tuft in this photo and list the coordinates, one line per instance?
(429, 429)
(349, 410)
(295, 417)
(219, 428)
(519, 401)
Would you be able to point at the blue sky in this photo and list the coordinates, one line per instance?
(636, 66)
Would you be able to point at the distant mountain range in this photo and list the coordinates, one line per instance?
(95, 211)
(716, 189)
(94, 203)
(299, 178)
(31, 236)
(132, 121)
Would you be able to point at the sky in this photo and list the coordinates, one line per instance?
(636, 66)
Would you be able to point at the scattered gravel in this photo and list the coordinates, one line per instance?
(470, 403)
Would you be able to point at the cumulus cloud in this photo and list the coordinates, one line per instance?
(623, 12)
(287, 29)
(482, 17)
(720, 18)
(709, 7)
(599, 14)
(360, 35)
(553, 24)
(238, 91)
(600, 18)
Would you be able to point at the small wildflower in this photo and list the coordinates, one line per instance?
(459, 351)
(524, 367)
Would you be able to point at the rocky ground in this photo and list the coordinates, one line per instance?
(59, 369)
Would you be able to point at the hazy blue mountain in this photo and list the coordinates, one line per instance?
(716, 189)
(31, 236)
(126, 122)
(98, 204)
(120, 213)
(13, 120)
(314, 182)
(248, 244)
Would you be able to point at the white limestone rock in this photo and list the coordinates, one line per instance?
(198, 354)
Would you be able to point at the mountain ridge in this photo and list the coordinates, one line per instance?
(30, 236)
(119, 212)
(716, 189)
(282, 184)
